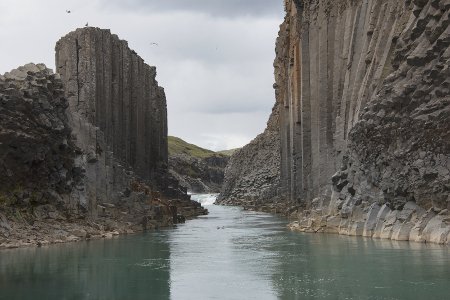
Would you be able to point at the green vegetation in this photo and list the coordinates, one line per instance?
(178, 146)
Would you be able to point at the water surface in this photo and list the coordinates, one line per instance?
(229, 254)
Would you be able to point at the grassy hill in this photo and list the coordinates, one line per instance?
(199, 170)
(178, 146)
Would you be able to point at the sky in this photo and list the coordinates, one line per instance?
(214, 58)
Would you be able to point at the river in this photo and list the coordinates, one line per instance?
(229, 254)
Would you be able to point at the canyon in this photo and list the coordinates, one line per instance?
(362, 94)
(358, 142)
(354, 161)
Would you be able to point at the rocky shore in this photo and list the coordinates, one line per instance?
(46, 224)
(411, 223)
(42, 224)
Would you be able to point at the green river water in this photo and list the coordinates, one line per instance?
(229, 254)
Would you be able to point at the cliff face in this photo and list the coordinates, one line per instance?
(116, 110)
(37, 157)
(252, 176)
(367, 104)
(199, 175)
(86, 154)
(118, 115)
(332, 57)
(363, 90)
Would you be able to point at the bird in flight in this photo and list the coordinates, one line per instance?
(154, 44)
(68, 11)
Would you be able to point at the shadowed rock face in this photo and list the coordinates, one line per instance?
(116, 110)
(198, 175)
(252, 176)
(36, 153)
(363, 89)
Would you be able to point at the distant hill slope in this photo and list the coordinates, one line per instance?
(179, 146)
(199, 170)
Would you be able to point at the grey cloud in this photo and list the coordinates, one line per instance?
(232, 107)
(218, 132)
(218, 8)
(214, 58)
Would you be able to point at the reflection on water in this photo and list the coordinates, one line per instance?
(222, 260)
(124, 268)
(314, 266)
(228, 254)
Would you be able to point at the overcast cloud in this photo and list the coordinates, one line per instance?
(214, 57)
(216, 8)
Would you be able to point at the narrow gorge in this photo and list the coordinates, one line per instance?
(113, 187)
(363, 121)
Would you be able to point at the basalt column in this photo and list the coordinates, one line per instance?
(332, 57)
(117, 112)
(366, 121)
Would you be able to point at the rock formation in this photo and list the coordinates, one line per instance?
(363, 89)
(252, 177)
(199, 175)
(197, 169)
(116, 110)
(37, 157)
(85, 150)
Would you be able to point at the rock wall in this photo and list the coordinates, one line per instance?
(366, 122)
(117, 113)
(37, 156)
(333, 56)
(252, 176)
(199, 175)
(85, 156)
(362, 88)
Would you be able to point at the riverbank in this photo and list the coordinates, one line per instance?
(274, 207)
(45, 224)
(257, 256)
(412, 223)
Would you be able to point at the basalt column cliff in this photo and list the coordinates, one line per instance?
(85, 150)
(366, 105)
(117, 111)
(363, 88)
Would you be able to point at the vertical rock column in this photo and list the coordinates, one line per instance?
(331, 57)
(116, 109)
